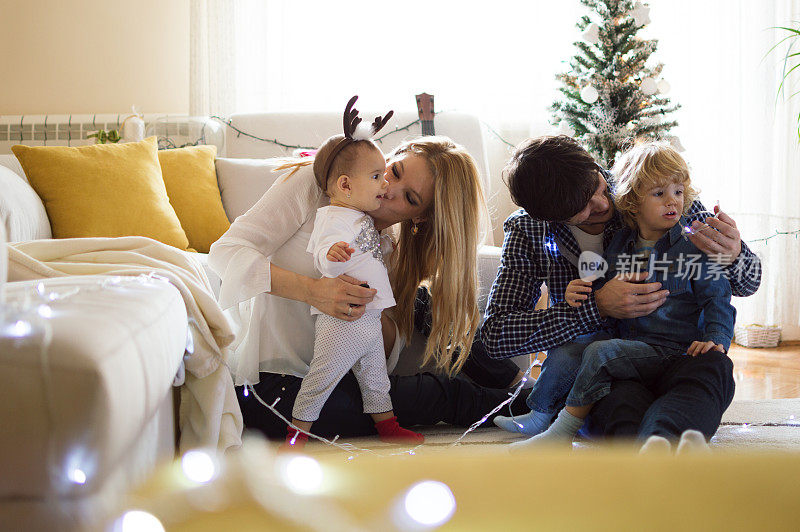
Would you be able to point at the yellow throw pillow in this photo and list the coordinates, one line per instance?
(191, 181)
(104, 190)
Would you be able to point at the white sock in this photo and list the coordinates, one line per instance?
(562, 431)
(656, 444)
(531, 424)
(692, 441)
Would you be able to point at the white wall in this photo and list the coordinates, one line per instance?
(93, 56)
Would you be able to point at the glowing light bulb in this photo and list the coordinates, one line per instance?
(430, 503)
(77, 476)
(19, 329)
(302, 474)
(138, 521)
(245, 391)
(199, 466)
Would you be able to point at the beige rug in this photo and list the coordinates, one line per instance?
(770, 424)
(767, 424)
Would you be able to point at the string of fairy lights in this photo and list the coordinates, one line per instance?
(299, 474)
(777, 234)
(79, 477)
(287, 146)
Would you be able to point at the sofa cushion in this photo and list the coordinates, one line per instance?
(242, 182)
(191, 182)
(115, 347)
(21, 210)
(10, 161)
(105, 190)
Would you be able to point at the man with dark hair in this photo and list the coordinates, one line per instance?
(567, 177)
(567, 208)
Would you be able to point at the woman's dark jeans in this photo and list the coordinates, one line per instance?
(423, 399)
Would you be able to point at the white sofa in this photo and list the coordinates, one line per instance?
(106, 420)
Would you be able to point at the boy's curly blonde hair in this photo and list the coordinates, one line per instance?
(646, 166)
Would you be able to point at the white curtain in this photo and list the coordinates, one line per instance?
(498, 60)
(741, 141)
(480, 56)
(212, 62)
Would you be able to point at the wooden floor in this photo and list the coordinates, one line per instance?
(767, 373)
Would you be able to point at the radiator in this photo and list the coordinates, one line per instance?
(72, 130)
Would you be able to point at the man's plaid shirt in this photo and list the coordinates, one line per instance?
(534, 253)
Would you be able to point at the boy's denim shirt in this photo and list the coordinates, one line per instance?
(698, 307)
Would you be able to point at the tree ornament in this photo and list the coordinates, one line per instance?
(564, 128)
(592, 34)
(649, 86)
(663, 86)
(641, 14)
(675, 142)
(589, 94)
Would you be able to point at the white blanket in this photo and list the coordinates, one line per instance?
(209, 412)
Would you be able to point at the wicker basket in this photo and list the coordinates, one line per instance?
(755, 335)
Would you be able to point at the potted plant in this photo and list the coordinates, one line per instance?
(791, 59)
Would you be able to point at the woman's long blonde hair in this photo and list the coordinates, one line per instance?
(443, 253)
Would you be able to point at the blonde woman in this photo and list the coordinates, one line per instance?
(434, 203)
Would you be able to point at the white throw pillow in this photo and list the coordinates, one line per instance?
(21, 211)
(242, 182)
(10, 161)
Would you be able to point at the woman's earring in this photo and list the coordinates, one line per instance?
(414, 229)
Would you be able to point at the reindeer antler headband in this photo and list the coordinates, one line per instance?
(352, 133)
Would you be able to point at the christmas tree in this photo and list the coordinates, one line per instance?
(610, 95)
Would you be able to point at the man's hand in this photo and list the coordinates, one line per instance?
(721, 246)
(339, 252)
(577, 291)
(620, 298)
(698, 348)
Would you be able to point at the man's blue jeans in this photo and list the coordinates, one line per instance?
(690, 393)
(558, 373)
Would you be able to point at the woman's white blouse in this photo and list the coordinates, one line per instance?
(273, 334)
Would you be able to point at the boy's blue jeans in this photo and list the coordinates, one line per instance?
(617, 359)
(558, 373)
